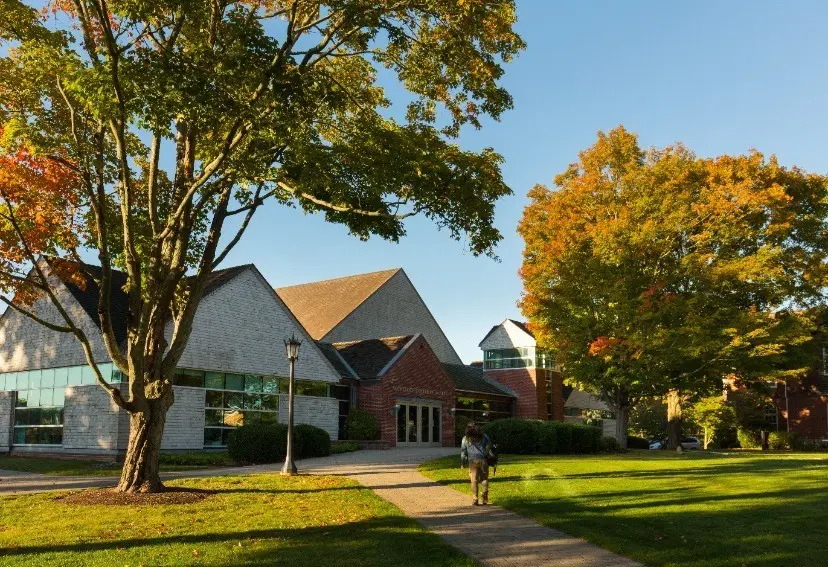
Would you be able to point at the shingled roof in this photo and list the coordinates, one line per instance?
(119, 300)
(520, 324)
(321, 306)
(367, 358)
(472, 379)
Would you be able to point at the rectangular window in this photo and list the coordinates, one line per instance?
(523, 357)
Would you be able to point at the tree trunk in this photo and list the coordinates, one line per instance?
(707, 437)
(140, 472)
(673, 419)
(622, 423)
(622, 417)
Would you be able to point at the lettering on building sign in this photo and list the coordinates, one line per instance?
(422, 392)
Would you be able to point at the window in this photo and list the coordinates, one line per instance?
(38, 417)
(523, 357)
(306, 388)
(39, 400)
(482, 410)
(233, 400)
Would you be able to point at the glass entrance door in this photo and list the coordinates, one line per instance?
(418, 425)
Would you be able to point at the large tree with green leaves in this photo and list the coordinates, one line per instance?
(138, 130)
(656, 273)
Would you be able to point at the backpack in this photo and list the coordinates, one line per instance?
(492, 457)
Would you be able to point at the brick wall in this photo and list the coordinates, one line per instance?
(6, 420)
(184, 427)
(90, 420)
(321, 412)
(530, 386)
(417, 375)
(394, 310)
(808, 413)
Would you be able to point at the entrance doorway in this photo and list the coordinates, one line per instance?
(419, 425)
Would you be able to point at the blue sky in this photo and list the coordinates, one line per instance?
(722, 77)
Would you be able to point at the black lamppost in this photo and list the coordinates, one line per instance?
(292, 351)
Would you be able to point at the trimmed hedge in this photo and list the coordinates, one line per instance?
(524, 437)
(260, 443)
(748, 439)
(634, 442)
(347, 447)
(361, 425)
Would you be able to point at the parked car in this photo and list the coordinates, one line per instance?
(687, 443)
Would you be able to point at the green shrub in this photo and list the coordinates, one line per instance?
(634, 442)
(796, 441)
(585, 438)
(524, 436)
(361, 426)
(608, 444)
(548, 438)
(197, 459)
(564, 437)
(257, 443)
(779, 440)
(260, 443)
(310, 441)
(515, 436)
(347, 447)
(748, 439)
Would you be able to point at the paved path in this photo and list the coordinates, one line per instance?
(493, 536)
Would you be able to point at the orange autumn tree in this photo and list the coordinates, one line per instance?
(149, 134)
(655, 273)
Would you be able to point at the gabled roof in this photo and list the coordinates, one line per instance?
(582, 400)
(370, 357)
(336, 360)
(321, 306)
(468, 378)
(520, 324)
(119, 299)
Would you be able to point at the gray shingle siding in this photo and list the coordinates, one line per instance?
(6, 418)
(241, 326)
(184, 428)
(321, 412)
(91, 420)
(394, 310)
(28, 345)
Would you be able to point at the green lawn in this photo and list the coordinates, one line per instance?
(661, 508)
(78, 467)
(252, 520)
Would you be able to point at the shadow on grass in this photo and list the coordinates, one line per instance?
(383, 540)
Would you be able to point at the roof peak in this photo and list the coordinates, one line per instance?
(389, 271)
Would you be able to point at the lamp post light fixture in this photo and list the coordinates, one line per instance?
(292, 351)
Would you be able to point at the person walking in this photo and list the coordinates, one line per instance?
(473, 452)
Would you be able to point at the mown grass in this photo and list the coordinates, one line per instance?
(79, 467)
(251, 520)
(696, 509)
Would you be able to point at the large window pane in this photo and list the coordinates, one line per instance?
(22, 380)
(424, 415)
(74, 376)
(215, 399)
(270, 385)
(412, 424)
(212, 437)
(401, 411)
(61, 376)
(252, 383)
(214, 380)
(22, 400)
(47, 378)
(270, 402)
(234, 400)
(234, 382)
(87, 376)
(33, 399)
(34, 378)
(435, 425)
(253, 401)
(213, 417)
(47, 397)
(234, 418)
(187, 377)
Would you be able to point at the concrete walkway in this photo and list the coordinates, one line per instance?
(492, 535)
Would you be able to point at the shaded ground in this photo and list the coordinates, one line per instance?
(82, 467)
(667, 509)
(250, 520)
